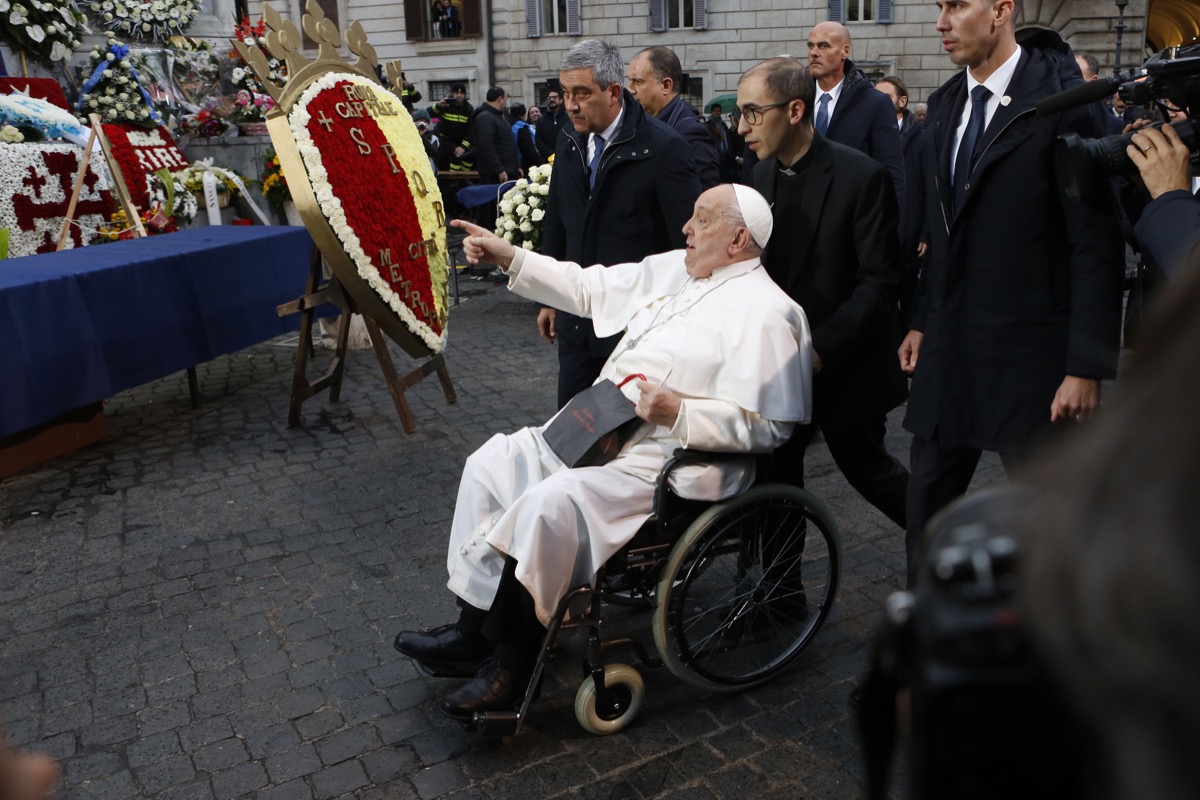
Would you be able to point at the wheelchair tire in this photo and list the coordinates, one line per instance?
(746, 588)
(631, 691)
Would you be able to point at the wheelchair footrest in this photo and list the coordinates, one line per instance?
(497, 722)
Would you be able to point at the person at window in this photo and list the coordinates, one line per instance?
(622, 186)
(655, 76)
(725, 357)
(849, 110)
(450, 24)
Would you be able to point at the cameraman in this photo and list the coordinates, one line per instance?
(1168, 231)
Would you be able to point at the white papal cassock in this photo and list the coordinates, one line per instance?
(734, 346)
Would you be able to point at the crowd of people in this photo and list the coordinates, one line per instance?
(936, 255)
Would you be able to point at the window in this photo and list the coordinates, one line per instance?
(551, 17)
(678, 14)
(330, 9)
(431, 20)
(692, 91)
(860, 10)
(440, 90)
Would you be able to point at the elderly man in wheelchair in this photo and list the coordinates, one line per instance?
(715, 358)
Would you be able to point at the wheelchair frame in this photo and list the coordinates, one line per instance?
(610, 696)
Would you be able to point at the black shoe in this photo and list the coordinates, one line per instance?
(494, 688)
(445, 650)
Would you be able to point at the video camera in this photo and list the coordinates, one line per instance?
(988, 721)
(1169, 79)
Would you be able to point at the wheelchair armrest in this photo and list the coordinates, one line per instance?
(680, 457)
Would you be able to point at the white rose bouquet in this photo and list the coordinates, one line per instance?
(45, 31)
(113, 89)
(523, 209)
(146, 20)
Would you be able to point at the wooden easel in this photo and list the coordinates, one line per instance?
(316, 295)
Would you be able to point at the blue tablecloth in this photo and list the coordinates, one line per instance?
(81, 325)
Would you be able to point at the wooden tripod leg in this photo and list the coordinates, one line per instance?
(407, 421)
(447, 387)
(302, 388)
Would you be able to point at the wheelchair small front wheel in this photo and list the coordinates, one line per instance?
(624, 689)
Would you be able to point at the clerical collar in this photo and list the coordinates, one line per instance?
(801, 164)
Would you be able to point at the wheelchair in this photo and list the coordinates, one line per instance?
(738, 589)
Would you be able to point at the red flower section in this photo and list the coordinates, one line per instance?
(61, 169)
(39, 88)
(146, 153)
(376, 200)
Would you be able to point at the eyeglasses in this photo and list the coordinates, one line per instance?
(754, 114)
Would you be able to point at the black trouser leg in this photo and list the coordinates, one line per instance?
(512, 623)
(938, 477)
(863, 458)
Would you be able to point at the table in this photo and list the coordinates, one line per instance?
(80, 325)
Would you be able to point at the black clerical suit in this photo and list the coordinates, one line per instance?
(834, 250)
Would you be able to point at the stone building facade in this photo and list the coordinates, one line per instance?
(518, 45)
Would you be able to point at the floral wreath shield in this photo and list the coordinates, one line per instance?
(361, 181)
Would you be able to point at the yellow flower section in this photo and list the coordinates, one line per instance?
(410, 152)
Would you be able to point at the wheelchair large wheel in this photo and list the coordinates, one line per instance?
(746, 588)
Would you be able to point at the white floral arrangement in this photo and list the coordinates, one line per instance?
(182, 203)
(191, 178)
(156, 20)
(10, 135)
(251, 103)
(47, 32)
(523, 209)
(41, 119)
(113, 89)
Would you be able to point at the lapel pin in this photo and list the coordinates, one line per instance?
(1004, 101)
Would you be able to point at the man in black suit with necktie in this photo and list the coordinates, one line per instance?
(1018, 319)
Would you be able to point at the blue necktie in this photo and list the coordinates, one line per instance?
(823, 114)
(966, 148)
(594, 164)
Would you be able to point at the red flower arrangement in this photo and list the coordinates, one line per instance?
(36, 180)
(383, 219)
(203, 123)
(141, 153)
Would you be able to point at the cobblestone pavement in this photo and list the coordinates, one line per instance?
(203, 605)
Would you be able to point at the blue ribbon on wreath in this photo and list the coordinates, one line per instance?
(119, 51)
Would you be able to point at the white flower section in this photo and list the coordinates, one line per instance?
(522, 209)
(331, 206)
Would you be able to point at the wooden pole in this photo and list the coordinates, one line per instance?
(24, 66)
(79, 176)
(114, 169)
